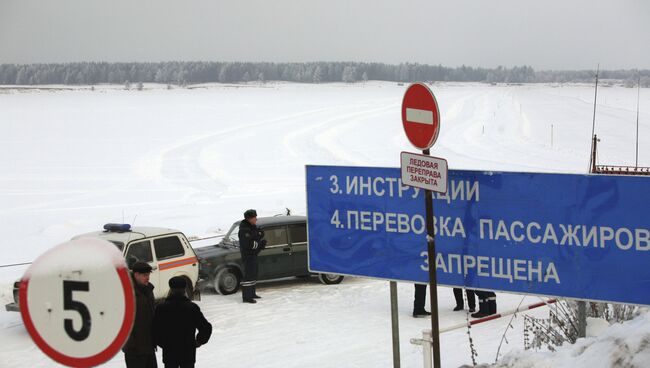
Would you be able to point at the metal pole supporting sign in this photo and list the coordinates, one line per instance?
(421, 121)
(394, 319)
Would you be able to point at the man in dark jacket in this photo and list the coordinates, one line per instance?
(251, 243)
(175, 324)
(139, 350)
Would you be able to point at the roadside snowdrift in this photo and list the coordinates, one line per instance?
(621, 345)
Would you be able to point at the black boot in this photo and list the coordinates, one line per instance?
(483, 310)
(257, 296)
(248, 294)
(458, 308)
(421, 314)
(471, 300)
(492, 305)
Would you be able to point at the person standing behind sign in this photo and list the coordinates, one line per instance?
(175, 324)
(471, 300)
(139, 350)
(251, 243)
(419, 301)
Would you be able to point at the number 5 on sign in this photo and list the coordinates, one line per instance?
(77, 302)
(69, 304)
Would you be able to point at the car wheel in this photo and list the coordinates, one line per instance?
(329, 278)
(226, 281)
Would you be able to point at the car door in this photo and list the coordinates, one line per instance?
(298, 240)
(140, 251)
(275, 260)
(175, 258)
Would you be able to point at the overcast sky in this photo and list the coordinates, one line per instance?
(549, 34)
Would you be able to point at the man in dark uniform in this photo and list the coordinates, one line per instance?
(175, 324)
(419, 300)
(251, 243)
(460, 304)
(139, 350)
(487, 304)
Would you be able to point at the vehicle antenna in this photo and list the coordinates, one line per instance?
(128, 238)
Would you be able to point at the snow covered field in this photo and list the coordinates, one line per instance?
(194, 159)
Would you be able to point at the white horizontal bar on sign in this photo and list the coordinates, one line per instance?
(419, 116)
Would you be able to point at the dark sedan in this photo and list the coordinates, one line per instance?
(285, 255)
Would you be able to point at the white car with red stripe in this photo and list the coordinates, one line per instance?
(167, 251)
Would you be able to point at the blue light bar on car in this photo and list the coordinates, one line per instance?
(117, 228)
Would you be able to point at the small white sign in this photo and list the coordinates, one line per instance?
(425, 172)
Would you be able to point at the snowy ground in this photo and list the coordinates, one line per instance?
(71, 160)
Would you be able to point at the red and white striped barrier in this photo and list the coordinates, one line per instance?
(427, 339)
(496, 316)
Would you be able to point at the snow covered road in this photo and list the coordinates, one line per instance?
(194, 159)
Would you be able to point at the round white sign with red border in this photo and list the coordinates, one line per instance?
(420, 116)
(77, 302)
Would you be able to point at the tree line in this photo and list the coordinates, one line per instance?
(185, 73)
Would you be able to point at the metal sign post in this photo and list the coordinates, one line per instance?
(433, 283)
(394, 319)
(421, 122)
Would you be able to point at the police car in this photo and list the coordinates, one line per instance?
(285, 255)
(167, 251)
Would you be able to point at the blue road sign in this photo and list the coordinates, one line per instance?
(577, 236)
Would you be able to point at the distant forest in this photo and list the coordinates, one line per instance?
(186, 73)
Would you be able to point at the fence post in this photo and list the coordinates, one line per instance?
(427, 356)
(582, 319)
(427, 351)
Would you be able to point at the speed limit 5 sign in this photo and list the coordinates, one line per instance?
(77, 302)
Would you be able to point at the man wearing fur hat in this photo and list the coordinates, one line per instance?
(251, 243)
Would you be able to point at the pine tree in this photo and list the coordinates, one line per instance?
(349, 74)
(318, 75)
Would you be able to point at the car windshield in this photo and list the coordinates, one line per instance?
(119, 245)
(232, 237)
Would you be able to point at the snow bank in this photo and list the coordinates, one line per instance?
(620, 345)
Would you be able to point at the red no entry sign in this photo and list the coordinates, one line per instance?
(420, 116)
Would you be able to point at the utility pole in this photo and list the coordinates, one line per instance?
(593, 124)
(551, 135)
(638, 96)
